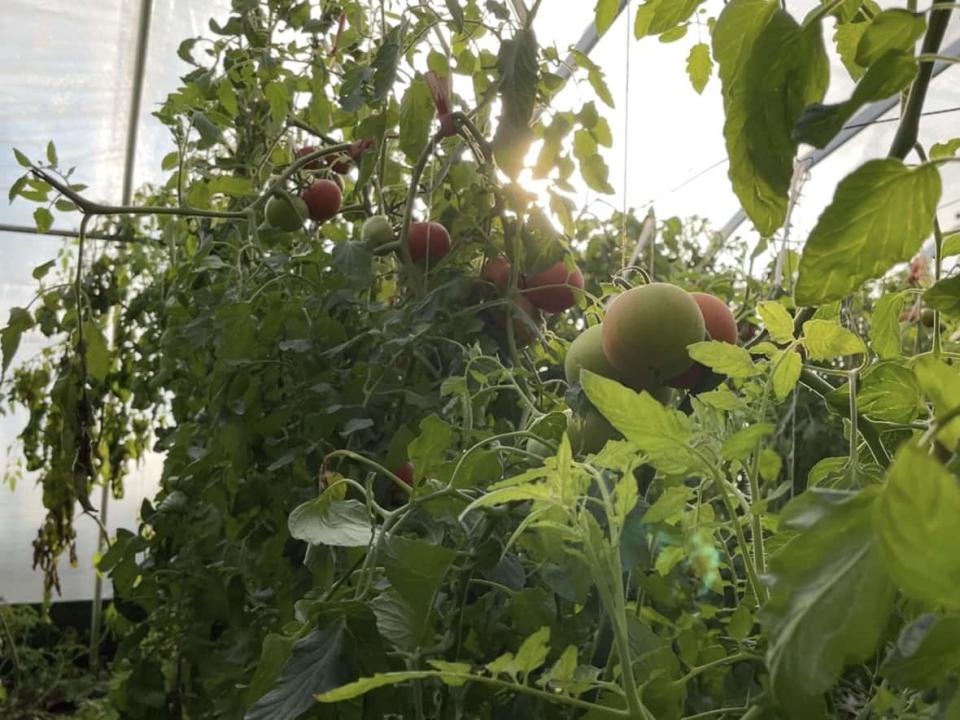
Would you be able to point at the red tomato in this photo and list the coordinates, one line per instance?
(550, 289)
(306, 150)
(427, 239)
(720, 325)
(323, 199)
(497, 271)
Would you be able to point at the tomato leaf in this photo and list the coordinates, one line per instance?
(699, 66)
(770, 68)
(945, 296)
(519, 70)
(889, 75)
(659, 16)
(778, 321)
(894, 29)
(927, 651)
(916, 521)
(879, 215)
(827, 339)
(340, 523)
(885, 326)
(830, 597)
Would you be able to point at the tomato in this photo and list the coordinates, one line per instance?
(497, 271)
(405, 472)
(590, 433)
(551, 290)
(286, 212)
(646, 331)
(719, 323)
(323, 200)
(376, 231)
(586, 351)
(304, 151)
(427, 239)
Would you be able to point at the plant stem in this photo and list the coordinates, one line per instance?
(866, 428)
(909, 127)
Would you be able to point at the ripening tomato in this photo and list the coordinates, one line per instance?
(551, 290)
(427, 239)
(323, 199)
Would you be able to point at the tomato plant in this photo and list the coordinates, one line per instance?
(419, 456)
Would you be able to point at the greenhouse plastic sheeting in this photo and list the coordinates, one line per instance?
(67, 73)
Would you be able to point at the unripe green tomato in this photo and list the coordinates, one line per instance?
(286, 212)
(586, 351)
(376, 231)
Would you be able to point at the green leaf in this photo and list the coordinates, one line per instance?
(674, 34)
(945, 296)
(917, 528)
(743, 443)
(40, 271)
(885, 326)
(826, 339)
(415, 569)
(894, 29)
(786, 372)
(279, 99)
(18, 322)
(22, 159)
(416, 116)
(887, 391)
(671, 503)
(879, 215)
(43, 219)
(210, 134)
(830, 598)
(340, 523)
(227, 97)
(533, 652)
(626, 496)
(16, 187)
(724, 358)
(699, 66)
(364, 685)
(604, 13)
(456, 13)
(170, 160)
(314, 666)
(230, 185)
(51, 153)
(847, 38)
(426, 451)
(941, 384)
(663, 433)
(777, 320)
(519, 71)
(658, 16)
(595, 173)
(945, 149)
(927, 651)
(770, 68)
(96, 352)
(893, 72)
(386, 62)
(273, 656)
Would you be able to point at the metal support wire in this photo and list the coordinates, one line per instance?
(863, 119)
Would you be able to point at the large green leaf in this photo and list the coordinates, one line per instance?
(415, 568)
(888, 76)
(879, 215)
(663, 433)
(887, 391)
(314, 667)
(941, 384)
(830, 597)
(918, 529)
(340, 523)
(771, 68)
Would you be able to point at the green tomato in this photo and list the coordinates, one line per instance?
(286, 212)
(376, 231)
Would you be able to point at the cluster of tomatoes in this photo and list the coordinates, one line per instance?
(642, 343)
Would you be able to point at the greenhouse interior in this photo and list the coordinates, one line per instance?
(480, 359)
